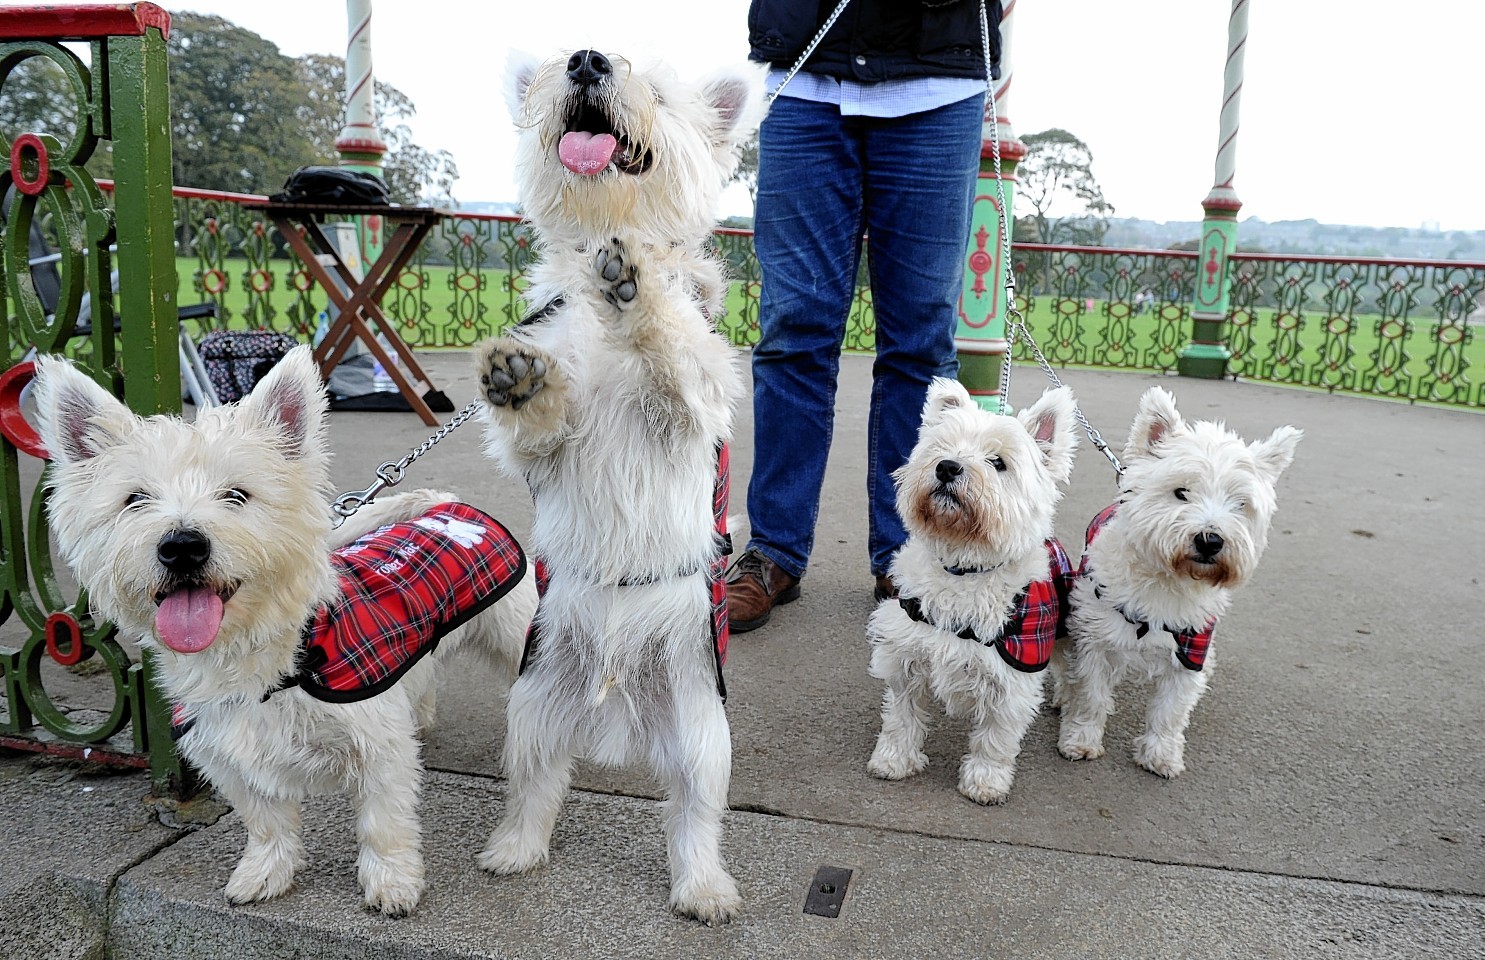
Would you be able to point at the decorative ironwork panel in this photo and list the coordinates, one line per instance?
(59, 296)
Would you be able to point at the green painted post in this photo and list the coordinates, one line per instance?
(1206, 355)
(139, 97)
(979, 337)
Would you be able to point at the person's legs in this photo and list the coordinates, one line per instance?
(920, 180)
(807, 231)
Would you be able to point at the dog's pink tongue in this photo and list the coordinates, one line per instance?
(586, 153)
(188, 619)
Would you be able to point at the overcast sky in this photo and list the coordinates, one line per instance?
(1353, 111)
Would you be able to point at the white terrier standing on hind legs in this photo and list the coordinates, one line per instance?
(294, 669)
(613, 401)
(982, 583)
(1159, 570)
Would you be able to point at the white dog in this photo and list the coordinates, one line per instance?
(210, 543)
(982, 582)
(1159, 570)
(613, 401)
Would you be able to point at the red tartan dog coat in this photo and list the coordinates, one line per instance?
(403, 587)
(1191, 644)
(1025, 640)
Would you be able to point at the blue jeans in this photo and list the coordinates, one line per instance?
(908, 182)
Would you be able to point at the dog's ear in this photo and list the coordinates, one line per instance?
(1157, 419)
(78, 418)
(291, 402)
(1277, 452)
(944, 393)
(1053, 427)
(520, 70)
(736, 94)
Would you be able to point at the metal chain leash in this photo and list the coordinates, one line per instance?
(808, 51)
(390, 474)
(1015, 321)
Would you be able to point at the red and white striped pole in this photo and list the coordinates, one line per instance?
(1206, 355)
(360, 143)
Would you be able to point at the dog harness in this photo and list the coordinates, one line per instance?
(1191, 644)
(1025, 639)
(714, 570)
(403, 587)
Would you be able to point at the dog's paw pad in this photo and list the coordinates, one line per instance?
(512, 374)
(617, 273)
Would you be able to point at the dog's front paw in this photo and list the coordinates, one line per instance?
(510, 852)
(512, 373)
(1162, 756)
(891, 762)
(713, 903)
(260, 877)
(1080, 743)
(985, 782)
(618, 277)
(393, 885)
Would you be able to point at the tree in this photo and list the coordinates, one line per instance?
(413, 172)
(1056, 180)
(244, 116)
(747, 168)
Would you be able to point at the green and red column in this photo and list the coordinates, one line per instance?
(360, 143)
(980, 337)
(1206, 355)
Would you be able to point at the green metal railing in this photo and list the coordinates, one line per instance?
(119, 97)
(1388, 328)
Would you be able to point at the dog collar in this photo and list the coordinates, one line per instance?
(552, 306)
(1191, 642)
(1025, 640)
(961, 571)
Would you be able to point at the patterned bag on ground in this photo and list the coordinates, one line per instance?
(237, 359)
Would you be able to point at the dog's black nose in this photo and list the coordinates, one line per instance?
(183, 551)
(947, 470)
(1208, 545)
(587, 67)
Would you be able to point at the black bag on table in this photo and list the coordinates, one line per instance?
(333, 185)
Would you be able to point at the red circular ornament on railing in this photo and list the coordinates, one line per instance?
(61, 627)
(13, 424)
(23, 143)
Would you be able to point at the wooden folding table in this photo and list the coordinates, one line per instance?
(359, 300)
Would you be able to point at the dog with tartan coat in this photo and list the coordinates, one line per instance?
(982, 584)
(299, 659)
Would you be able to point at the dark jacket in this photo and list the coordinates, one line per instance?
(877, 40)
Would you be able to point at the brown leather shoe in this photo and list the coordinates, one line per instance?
(755, 585)
(886, 588)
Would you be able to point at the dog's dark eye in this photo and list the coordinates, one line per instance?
(997, 463)
(1181, 494)
(235, 496)
(135, 499)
